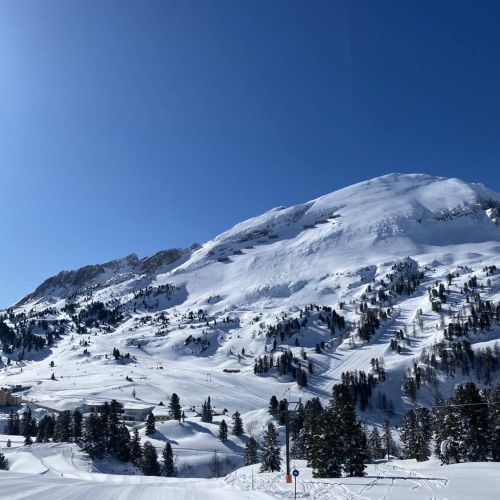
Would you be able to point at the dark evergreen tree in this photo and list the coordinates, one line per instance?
(150, 424)
(354, 446)
(273, 406)
(93, 438)
(388, 440)
(206, 411)
(312, 412)
(251, 452)
(375, 444)
(77, 425)
(271, 458)
(168, 466)
(325, 454)
(174, 408)
(149, 463)
(237, 424)
(4, 463)
(494, 422)
(223, 431)
(135, 448)
(63, 427)
(122, 444)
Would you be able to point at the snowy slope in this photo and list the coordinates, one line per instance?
(174, 306)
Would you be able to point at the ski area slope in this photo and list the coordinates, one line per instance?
(395, 480)
(16, 486)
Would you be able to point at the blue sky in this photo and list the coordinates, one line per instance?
(134, 126)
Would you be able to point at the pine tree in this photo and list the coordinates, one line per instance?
(237, 424)
(122, 444)
(93, 439)
(223, 431)
(375, 444)
(251, 452)
(271, 458)
(354, 447)
(206, 412)
(168, 467)
(174, 407)
(325, 453)
(77, 425)
(388, 440)
(423, 434)
(4, 463)
(273, 406)
(408, 434)
(135, 448)
(149, 464)
(474, 419)
(150, 424)
(494, 423)
(312, 412)
(62, 428)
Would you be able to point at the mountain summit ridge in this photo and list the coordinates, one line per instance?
(395, 214)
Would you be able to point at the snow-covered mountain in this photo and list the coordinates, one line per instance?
(339, 281)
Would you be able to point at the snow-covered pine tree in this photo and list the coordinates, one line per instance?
(168, 466)
(271, 458)
(251, 452)
(223, 431)
(149, 464)
(237, 429)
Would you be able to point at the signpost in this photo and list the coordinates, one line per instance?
(295, 473)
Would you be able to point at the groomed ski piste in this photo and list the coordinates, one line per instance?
(262, 272)
(60, 471)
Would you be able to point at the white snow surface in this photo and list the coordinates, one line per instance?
(260, 271)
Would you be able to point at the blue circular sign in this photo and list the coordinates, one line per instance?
(295, 472)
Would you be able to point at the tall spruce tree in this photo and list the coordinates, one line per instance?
(271, 458)
(375, 444)
(174, 408)
(223, 431)
(312, 412)
(494, 422)
(353, 438)
(251, 452)
(149, 464)
(206, 411)
(150, 424)
(93, 438)
(325, 453)
(63, 427)
(388, 440)
(135, 448)
(237, 424)
(168, 466)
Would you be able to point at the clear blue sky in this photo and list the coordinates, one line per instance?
(134, 126)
